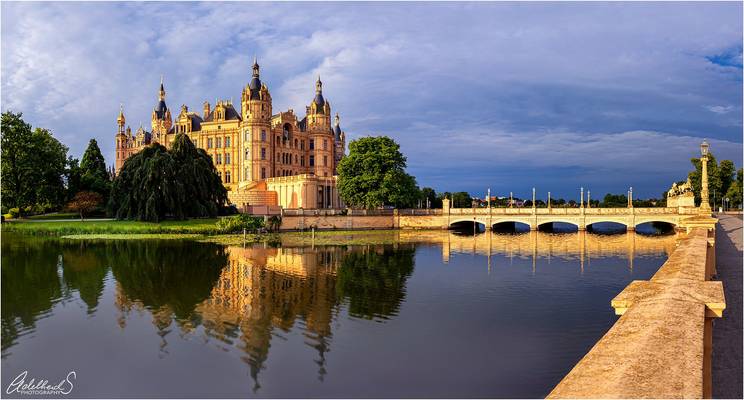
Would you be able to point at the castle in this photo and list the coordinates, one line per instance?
(263, 159)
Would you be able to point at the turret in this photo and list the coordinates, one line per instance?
(120, 120)
(255, 99)
(321, 133)
(319, 111)
(122, 140)
(255, 104)
(339, 147)
(161, 116)
(207, 109)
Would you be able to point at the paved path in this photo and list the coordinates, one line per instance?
(727, 331)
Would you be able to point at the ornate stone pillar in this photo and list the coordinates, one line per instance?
(704, 195)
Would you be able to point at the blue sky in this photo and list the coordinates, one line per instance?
(500, 95)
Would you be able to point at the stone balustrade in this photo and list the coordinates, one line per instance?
(661, 345)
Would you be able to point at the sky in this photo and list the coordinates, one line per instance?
(506, 96)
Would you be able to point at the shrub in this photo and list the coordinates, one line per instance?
(85, 202)
(274, 223)
(236, 223)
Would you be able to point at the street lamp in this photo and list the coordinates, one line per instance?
(704, 196)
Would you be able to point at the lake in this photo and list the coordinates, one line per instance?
(428, 314)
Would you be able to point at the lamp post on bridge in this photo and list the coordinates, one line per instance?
(510, 200)
(533, 198)
(548, 201)
(588, 199)
(630, 197)
(704, 196)
(581, 204)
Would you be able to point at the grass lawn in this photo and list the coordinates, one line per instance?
(322, 238)
(59, 228)
(55, 216)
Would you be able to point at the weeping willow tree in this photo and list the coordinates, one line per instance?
(157, 183)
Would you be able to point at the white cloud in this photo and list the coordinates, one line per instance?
(462, 84)
(720, 109)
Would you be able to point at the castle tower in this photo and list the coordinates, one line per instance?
(257, 151)
(121, 139)
(320, 133)
(161, 120)
(339, 147)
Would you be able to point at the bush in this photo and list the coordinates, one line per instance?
(228, 210)
(236, 223)
(274, 223)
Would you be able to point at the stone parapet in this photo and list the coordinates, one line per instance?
(661, 345)
(252, 198)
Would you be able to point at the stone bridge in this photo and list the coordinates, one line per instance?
(446, 218)
(581, 217)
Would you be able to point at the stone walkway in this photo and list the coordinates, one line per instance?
(727, 331)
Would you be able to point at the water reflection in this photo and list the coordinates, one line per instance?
(244, 300)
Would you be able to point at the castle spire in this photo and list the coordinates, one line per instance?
(120, 120)
(255, 66)
(318, 85)
(161, 94)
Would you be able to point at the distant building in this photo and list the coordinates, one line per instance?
(262, 158)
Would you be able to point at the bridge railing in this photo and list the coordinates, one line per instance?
(564, 211)
(661, 345)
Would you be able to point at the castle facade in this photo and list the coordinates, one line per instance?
(263, 158)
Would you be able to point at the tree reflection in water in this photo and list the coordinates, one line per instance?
(244, 297)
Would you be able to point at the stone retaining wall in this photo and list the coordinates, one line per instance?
(661, 345)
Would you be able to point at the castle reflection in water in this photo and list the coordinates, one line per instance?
(246, 297)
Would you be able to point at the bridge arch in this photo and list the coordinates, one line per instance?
(654, 227)
(549, 225)
(607, 227)
(510, 226)
(467, 226)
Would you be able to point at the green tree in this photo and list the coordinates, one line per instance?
(734, 192)
(94, 176)
(156, 183)
(727, 174)
(430, 194)
(85, 203)
(614, 200)
(33, 165)
(714, 180)
(461, 200)
(73, 176)
(373, 175)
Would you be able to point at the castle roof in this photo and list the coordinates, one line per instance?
(160, 109)
(255, 84)
(196, 121)
(337, 130)
(231, 114)
(319, 100)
